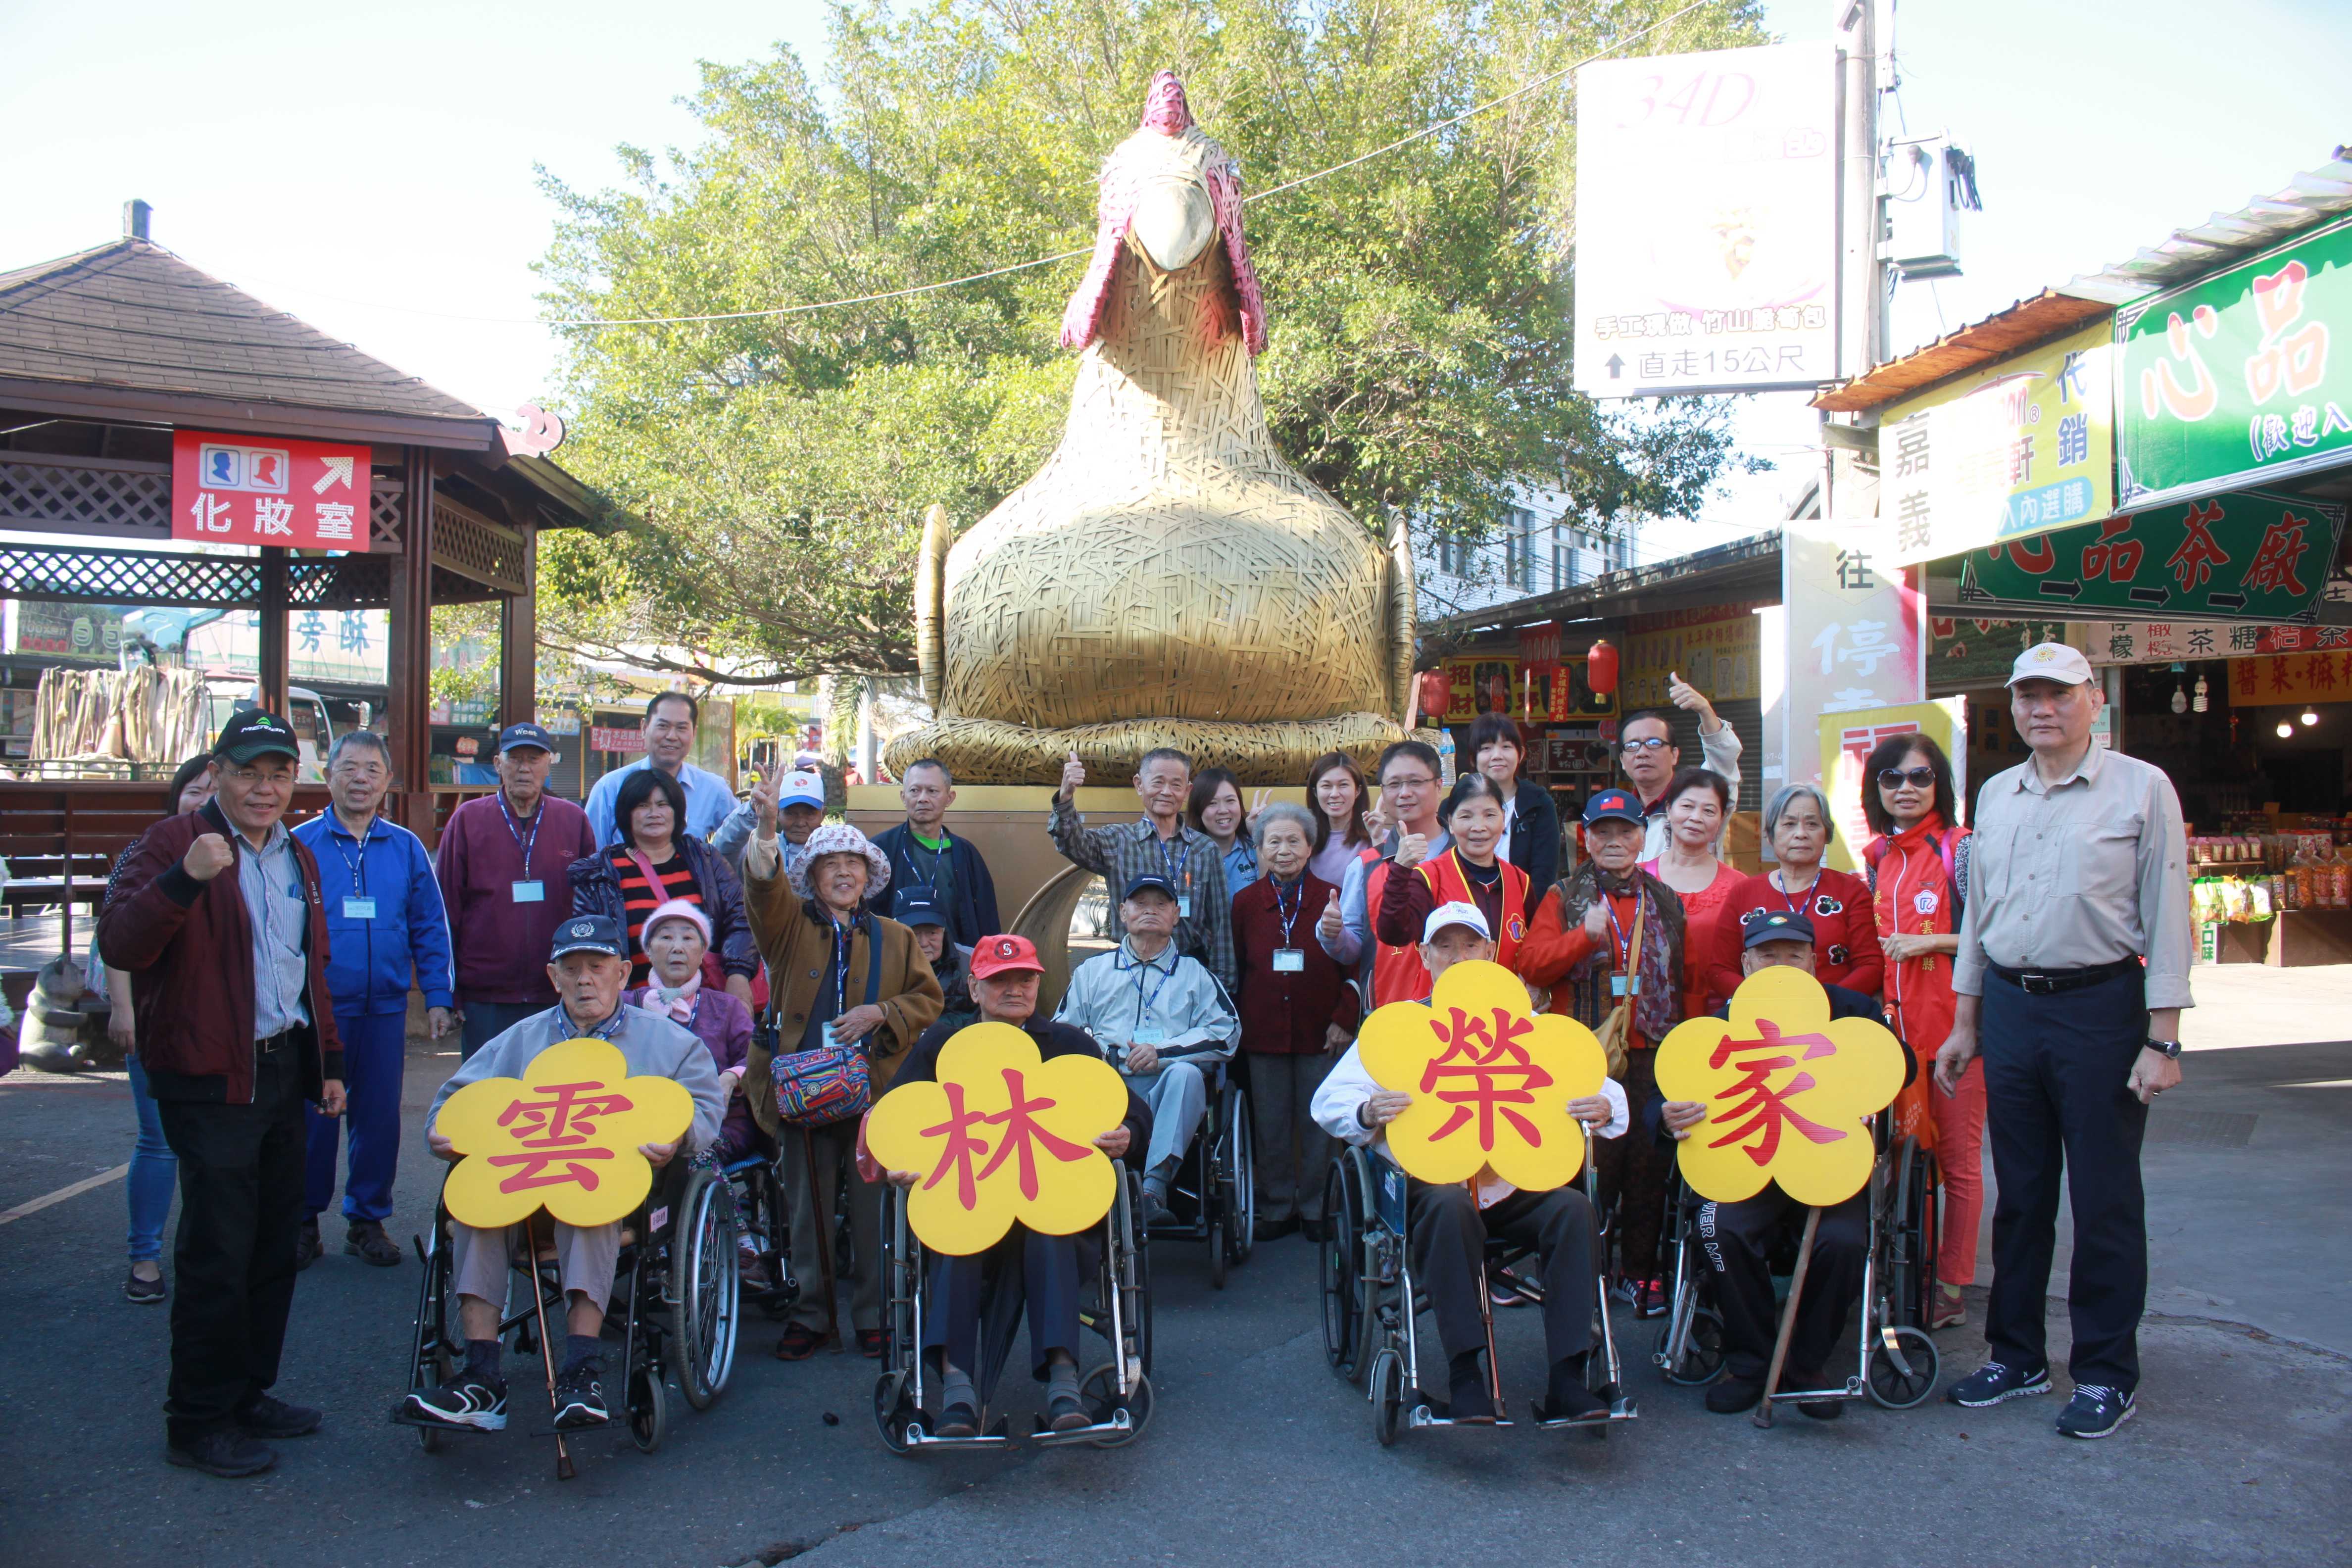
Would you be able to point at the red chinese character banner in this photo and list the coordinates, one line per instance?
(1004, 1135)
(261, 489)
(1490, 1079)
(1788, 1091)
(563, 1137)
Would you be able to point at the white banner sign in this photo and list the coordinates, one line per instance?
(1856, 632)
(1706, 221)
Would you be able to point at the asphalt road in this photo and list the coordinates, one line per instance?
(1257, 1451)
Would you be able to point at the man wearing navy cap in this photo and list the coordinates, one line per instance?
(1158, 1015)
(1740, 1235)
(917, 909)
(503, 868)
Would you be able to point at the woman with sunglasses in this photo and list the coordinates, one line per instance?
(1918, 867)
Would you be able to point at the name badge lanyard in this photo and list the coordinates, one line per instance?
(915, 856)
(357, 905)
(1177, 867)
(1285, 910)
(842, 937)
(1627, 981)
(537, 891)
(1774, 883)
(1146, 1004)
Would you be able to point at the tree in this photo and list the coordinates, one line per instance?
(1419, 302)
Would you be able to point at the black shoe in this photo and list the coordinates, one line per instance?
(146, 1292)
(366, 1241)
(224, 1451)
(1470, 1402)
(1576, 1403)
(1276, 1229)
(957, 1420)
(306, 1244)
(579, 1397)
(262, 1416)
(1064, 1413)
(1734, 1394)
(2095, 1410)
(1155, 1209)
(478, 1402)
(1317, 1231)
(1994, 1381)
(1813, 1377)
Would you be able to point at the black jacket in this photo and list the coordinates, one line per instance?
(923, 1066)
(971, 903)
(1534, 836)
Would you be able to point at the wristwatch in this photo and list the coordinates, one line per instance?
(2169, 1048)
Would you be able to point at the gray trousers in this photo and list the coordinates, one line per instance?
(811, 1223)
(1291, 1146)
(585, 1259)
(1178, 1095)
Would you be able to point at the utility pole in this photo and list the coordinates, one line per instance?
(1862, 275)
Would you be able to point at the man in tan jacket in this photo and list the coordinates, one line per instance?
(839, 975)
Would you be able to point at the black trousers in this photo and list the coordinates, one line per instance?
(1450, 1233)
(1737, 1239)
(2055, 1067)
(1635, 1168)
(1047, 1277)
(241, 1171)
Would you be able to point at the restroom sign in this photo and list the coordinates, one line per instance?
(244, 489)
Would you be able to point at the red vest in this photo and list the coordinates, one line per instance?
(1398, 973)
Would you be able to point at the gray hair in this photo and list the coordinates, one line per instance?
(361, 738)
(1780, 802)
(1283, 811)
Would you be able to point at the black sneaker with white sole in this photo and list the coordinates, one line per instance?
(468, 1402)
(579, 1397)
(1994, 1382)
(2095, 1410)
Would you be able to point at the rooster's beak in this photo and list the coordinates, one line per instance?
(1173, 221)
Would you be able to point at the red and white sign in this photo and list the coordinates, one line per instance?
(260, 490)
(627, 741)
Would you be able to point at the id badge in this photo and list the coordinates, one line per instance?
(358, 909)
(1289, 959)
(1184, 906)
(1625, 985)
(1149, 1035)
(530, 892)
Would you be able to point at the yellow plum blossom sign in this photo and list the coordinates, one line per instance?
(562, 1137)
(1490, 1080)
(1788, 1091)
(1003, 1135)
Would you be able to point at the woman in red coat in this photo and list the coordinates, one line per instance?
(1298, 1013)
(1845, 938)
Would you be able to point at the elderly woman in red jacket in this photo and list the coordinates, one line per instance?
(1799, 828)
(1297, 1011)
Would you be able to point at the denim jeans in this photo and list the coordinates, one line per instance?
(154, 1172)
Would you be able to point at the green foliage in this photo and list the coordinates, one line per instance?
(1419, 303)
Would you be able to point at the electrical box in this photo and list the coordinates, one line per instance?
(1930, 183)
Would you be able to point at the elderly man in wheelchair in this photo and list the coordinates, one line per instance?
(966, 1296)
(590, 969)
(1449, 1225)
(1736, 1240)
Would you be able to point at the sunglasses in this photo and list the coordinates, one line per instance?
(1649, 743)
(1895, 778)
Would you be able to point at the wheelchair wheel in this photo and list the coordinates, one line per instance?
(762, 1216)
(892, 1411)
(1702, 1358)
(1099, 1393)
(1343, 1284)
(703, 1278)
(1388, 1396)
(1911, 1251)
(1241, 1179)
(431, 1364)
(1894, 1386)
(648, 1409)
(435, 1371)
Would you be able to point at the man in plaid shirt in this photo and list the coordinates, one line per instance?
(1162, 845)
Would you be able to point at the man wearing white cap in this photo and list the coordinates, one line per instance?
(2071, 972)
(1450, 1223)
(790, 809)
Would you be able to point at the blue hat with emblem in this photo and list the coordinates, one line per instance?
(524, 734)
(1614, 805)
(1150, 882)
(918, 906)
(591, 933)
(1758, 926)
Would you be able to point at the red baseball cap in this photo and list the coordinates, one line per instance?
(997, 955)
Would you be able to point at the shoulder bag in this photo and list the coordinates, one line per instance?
(832, 1083)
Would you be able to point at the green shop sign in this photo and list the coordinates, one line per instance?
(2237, 378)
(1963, 649)
(2243, 557)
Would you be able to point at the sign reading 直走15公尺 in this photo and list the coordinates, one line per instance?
(1706, 221)
(2237, 378)
(264, 490)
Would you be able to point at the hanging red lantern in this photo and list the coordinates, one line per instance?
(1436, 695)
(1601, 667)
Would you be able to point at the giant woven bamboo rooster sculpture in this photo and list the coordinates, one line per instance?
(1166, 579)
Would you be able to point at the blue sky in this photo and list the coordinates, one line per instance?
(369, 168)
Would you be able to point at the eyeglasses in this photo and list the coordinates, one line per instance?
(1653, 743)
(1895, 778)
(1422, 782)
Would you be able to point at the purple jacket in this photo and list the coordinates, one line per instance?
(724, 1024)
(502, 946)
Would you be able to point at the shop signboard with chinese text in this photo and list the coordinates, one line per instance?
(2183, 642)
(1533, 693)
(1962, 650)
(2324, 675)
(1857, 632)
(2012, 450)
(1706, 221)
(2237, 378)
(70, 633)
(1715, 650)
(2244, 557)
(263, 489)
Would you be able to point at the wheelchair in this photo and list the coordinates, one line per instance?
(1213, 1194)
(1897, 1360)
(1116, 1393)
(763, 1214)
(674, 1309)
(1370, 1304)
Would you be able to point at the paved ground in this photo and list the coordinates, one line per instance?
(2238, 1455)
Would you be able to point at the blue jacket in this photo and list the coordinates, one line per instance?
(369, 959)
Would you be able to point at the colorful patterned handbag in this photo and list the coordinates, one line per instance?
(832, 1083)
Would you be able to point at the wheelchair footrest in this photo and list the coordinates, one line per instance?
(1422, 1415)
(1622, 1408)
(920, 1441)
(1851, 1389)
(1120, 1425)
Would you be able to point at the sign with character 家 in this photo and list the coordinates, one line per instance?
(563, 1137)
(1788, 1091)
(1003, 1135)
(261, 489)
(1490, 1078)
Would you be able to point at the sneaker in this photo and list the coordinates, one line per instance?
(366, 1241)
(1627, 1289)
(146, 1292)
(2095, 1410)
(869, 1344)
(1502, 1293)
(798, 1342)
(1155, 1208)
(1649, 1299)
(1994, 1381)
(579, 1397)
(1951, 1311)
(306, 1244)
(224, 1451)
(478, 1402)
(1733, 1394)
(262, 1416)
